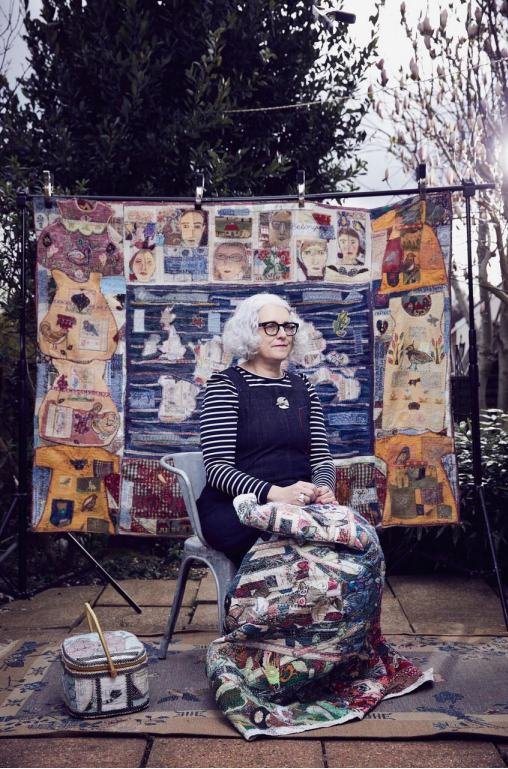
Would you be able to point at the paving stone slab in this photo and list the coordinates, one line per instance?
(393, 619)
(149, 592)
(205, 617)
(152, 621)
(207, 752)
(200, 637)
(71, 752)
(42, 619)
(55, 608)
(55, 597)
(412, 753)
(448, 604)
(502, 747)
(207, 592)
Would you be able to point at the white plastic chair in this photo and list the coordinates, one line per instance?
(190, 469)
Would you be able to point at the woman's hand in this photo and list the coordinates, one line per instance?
(325, 496)
(301, 493)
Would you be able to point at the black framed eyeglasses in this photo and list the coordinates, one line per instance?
(272, 329)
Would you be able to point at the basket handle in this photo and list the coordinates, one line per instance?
(92, 618)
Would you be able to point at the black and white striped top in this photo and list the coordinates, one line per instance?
(219, 423)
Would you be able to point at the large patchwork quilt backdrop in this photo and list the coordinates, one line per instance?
(132, 299)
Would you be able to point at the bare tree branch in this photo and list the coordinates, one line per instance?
(11, 21)
(502, 295)
(455, 110)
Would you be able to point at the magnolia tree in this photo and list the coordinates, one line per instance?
(449, 109)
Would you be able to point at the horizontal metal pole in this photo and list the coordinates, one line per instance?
(389, 193)
(282, 198)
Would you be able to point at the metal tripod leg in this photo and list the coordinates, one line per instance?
(480, 500)
(8, 515)
(474, 383)
(105, 574)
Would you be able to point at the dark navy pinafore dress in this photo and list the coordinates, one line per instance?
(273, 444)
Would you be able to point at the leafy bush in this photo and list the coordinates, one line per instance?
(494, 453)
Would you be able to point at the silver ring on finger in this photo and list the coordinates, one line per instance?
(302, 498)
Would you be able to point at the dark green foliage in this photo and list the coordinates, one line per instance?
(494, 447)
(10, 270)
(131, 97)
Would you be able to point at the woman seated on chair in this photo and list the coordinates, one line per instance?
(302, 647)
(262, 428)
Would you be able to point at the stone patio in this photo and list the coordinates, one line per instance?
(429, 604)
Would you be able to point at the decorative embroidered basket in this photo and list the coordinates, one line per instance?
(104, 674)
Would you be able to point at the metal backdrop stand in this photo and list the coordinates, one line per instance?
(474, 384)
(22, 495)
(20, 501)
(467, 188)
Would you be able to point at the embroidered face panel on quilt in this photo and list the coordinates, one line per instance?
(132, 299)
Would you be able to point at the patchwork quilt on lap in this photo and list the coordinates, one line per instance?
(132, 299)
(303, 647)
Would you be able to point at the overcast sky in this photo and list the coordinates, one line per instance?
(396, 50)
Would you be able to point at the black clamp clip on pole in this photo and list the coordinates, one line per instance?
(22, 197)
(200, 188)
(300, 181)
(469, 188)
(47, 187)
(421, 176)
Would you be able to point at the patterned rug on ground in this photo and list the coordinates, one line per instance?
(469, 695)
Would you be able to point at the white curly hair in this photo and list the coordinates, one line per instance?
(241, 338)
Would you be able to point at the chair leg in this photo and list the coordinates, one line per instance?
(177, 603)
(224, 575)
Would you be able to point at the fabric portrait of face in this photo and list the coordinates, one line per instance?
(312, 258)
(350, 251)
(279, 231)
(192, 228)
(142, 265)
(230, 262)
